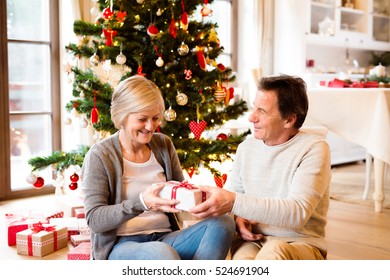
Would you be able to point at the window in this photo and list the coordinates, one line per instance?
(30, 69)
(29, 79)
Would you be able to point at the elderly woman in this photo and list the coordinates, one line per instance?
(127, 218)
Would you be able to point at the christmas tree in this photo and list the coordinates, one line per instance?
(163, 41)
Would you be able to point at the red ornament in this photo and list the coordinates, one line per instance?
(206, 11)
(229, 95)
(184, 18)
(222, 136)
(191, 171)
(152, 30)
(220, 181)
(74, 177)
(188, 74)
(197, 128)
(107, 13)
(121, 16)
(201, 59)
(139, 71)
(173, 28)
(73, 186)
(109, 34)
(94, 111)
(39, 183)
(221, 67)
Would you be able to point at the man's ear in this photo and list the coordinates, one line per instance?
(290, 121)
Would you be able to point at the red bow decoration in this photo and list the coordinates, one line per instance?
(109, 34)
(38, 228)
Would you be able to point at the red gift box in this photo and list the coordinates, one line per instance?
(80, 252)
(17, 222)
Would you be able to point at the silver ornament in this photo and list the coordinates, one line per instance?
(31, 179)
(121, 59)
(159, 61)
(83, 123)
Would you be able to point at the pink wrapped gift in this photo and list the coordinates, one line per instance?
(79, 213)
(186, 193)
(80, 238)
(83, 227)
(41, 240)
(80, 252)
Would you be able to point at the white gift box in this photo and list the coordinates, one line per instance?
(188, 195)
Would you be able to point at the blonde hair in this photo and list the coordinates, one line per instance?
(133, 95)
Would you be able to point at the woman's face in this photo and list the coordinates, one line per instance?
(139, 127)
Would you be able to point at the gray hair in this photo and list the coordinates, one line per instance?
(133, 95)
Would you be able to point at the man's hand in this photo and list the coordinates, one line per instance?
(155, 203)
(219, 202)
(245, 229)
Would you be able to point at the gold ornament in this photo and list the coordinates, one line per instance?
(170, 114)
(181, 98)
(183, 49)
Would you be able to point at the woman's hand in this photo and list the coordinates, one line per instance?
(155, 203)
(244, 228)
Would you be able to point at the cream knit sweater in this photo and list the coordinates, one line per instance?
(285, 188)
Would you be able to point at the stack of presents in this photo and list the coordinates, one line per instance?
(38, 233)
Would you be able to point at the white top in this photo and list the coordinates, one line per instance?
(285, 188)
(136, 178)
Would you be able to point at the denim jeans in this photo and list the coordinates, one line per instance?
(209, 239)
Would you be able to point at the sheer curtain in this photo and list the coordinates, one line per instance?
(72, 133)
(255, 41)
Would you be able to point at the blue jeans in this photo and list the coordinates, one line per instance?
(209, 239)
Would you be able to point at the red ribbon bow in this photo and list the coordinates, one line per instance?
(38, 228)
(187, 186)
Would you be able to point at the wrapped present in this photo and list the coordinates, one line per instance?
(186, 193)
(16, 227)
(70, 223)
(80, 252)
(79, 213)
(68, 204)
(41, 240)
(25, 219)
(80, 238)
(83, 227)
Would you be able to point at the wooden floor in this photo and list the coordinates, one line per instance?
(353, 232)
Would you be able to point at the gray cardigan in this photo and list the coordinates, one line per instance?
(102, 188)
